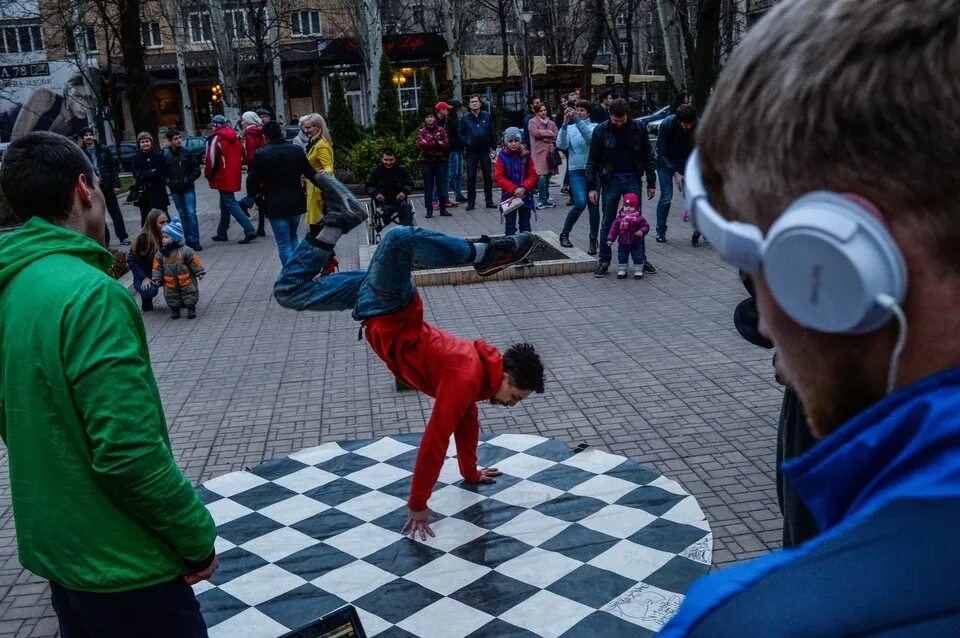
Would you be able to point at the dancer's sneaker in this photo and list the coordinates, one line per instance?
(341, 208)
(503, 252)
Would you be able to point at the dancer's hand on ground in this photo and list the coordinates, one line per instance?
(489, 475)
(418, 522)
(594, 198)
(196, 577)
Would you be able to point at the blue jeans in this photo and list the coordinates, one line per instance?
(510, 221)
(543, 189)
(578, 188)
(473, 159)
(617, 187)
(383, 288)
(637, 251)
(146, 296)
(434, 182)
(186, 204)
(665, 179)
(230, 207)
(285, 232)
(455, 173)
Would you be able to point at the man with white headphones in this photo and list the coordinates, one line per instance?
(847, 217)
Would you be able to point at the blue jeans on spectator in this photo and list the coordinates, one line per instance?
(578, 189)
(473, 159)
(158, 611)
(637, 251)
(384, 287)
(146, 296)
(434, 182)
(186, 204)
(455, 173)
(613, 190)
(510, 221)
(285, 233)
(543, 189)
(665, 180)
(230, 207)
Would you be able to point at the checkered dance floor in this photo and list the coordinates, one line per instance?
(566, 543)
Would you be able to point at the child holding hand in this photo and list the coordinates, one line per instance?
(628, 230)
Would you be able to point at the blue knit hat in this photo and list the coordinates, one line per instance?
(512, 133)
(174, 230)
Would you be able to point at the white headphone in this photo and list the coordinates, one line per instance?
(828, 262)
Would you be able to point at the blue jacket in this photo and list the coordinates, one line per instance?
(674, 145)
(477, 132)
(885, 491)
(575, 138)
(516, 168)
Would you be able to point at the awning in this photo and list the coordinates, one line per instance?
(490, 67)
(408, 48)
(600, 79)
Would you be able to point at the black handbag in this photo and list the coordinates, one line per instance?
(136, 192)
(554, 159)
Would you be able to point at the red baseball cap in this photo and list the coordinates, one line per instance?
(442, 105)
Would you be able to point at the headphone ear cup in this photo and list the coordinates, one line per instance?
(827, 259)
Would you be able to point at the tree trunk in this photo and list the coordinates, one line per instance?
(176, 34)
(137, 93)
(704, 69)
(593, 45)
(673, 48)
(226, 62)
(505, 72)
(450, 11)
(373, 35)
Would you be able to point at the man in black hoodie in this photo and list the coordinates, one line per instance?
(390, 186)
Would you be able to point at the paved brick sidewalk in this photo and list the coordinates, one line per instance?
(650, 369)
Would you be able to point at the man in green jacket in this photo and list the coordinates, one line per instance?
(100, 507)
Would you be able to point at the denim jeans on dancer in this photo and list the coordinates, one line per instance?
(665, 180)
(637, 251)
(434, 186)
(285, 233)
(543, 189)
(455, 173)
(510, 221)
(229, 206)
(186, 204)
(385, 287)
(578, 189)
(482, 159)
(613, 190)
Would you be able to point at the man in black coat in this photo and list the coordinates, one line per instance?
(275, 177)
(479, 139)
(390, 186)
(448, 114)
(108, 172)
(183, 169)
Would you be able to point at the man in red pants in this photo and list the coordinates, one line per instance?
(456, 372)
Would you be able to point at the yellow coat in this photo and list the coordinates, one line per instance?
(320, 157)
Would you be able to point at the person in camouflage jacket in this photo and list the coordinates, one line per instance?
(179, 269)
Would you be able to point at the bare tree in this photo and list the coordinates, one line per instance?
(675, 50)
(458, 17)
(361, 20)
(595, 28)
(173, 13)
(501, 11)
(622, 14)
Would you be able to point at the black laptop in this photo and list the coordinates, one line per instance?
(342, 623)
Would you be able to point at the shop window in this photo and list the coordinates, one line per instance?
(198, 25)
(407, 81)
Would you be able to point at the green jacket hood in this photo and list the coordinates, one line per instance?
(38, 238)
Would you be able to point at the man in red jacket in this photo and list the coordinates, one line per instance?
(456, 372)
(223, 168)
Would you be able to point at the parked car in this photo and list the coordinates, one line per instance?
(128, 150)
(290, 131)
(196, 146)
(652, 121)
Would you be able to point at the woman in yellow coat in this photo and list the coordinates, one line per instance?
(320, 155)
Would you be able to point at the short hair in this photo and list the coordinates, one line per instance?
(604, 94)
(686, 113)
(272, 130)
(619, 107)
(475, 96)
(172, 133)
(522, 364)
(85, 130)
(888, 91)
(388, 151)
(427, 112)
(583, 104)
(532, 99)
(143, 135)
(38, 175)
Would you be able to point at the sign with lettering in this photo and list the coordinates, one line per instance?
(405, 47)
(12, 71)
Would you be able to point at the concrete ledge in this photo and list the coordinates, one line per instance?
(577, 261)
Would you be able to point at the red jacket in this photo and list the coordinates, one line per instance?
(224, 160)
(253, 140)
(456, 372)
(434, 145)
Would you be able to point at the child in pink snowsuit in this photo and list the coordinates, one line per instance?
(628, 230)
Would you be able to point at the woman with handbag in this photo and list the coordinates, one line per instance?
(543, 138)
(149, 169)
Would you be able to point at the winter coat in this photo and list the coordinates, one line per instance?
(603, 147)
(253, 141)
(389, 182)
(178, 270)
(674, 145)
(301, 141)
(320, 156)
(150, 171)
(106, 166)
(433, 144)
(276, 176)
(99, 504)
(452, 124)
(183, 170)
(477, 134)
(515, 170)
(139, 260)
(884, 489)
(624, 229)
(542, 135)
(575, 139)
(224, 160)
(454, 371)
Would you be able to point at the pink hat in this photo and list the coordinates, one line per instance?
(631, 199)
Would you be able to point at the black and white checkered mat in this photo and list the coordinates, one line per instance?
(564, 544)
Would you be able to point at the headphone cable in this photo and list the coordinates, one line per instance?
(891, 304)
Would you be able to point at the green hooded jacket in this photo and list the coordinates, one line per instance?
(98, 501)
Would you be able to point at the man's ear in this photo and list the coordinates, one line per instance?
(84, 190)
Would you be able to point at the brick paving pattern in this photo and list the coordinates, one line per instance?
(650, 369)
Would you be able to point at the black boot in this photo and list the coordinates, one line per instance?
(174, 313)
(695, 240)
(503, 252)
(592, 250)
(146, 304)
(191, 312)
(565, 240)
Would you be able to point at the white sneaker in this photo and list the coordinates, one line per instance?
(622, 273)
(638, 272)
